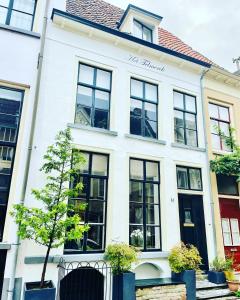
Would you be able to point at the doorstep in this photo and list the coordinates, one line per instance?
(140, 283)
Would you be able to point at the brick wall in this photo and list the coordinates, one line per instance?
(166, 292)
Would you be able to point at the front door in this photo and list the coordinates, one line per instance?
(230, 217)
(192, 224)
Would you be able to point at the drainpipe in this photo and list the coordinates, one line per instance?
(208, 159)
(30, 145)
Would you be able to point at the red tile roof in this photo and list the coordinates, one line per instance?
(109, 15)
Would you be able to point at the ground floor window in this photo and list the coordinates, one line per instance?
(144, 205)
(94, 176)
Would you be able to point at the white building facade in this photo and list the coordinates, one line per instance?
(135, 110)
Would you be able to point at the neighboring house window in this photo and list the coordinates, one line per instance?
(230, 228)
(144, 106)
(227, 185)
(93, 97)
(17, 13)
(144, 215)
(10, 113)
(189, 178)
(94, 177)
(220, 122)
(142, 31)
(185, 119)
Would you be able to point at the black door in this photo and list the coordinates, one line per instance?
(3, 254)
(82, 284)
(192, 224)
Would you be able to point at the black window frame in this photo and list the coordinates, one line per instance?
(142, 29)
(221, 178)
(144, 100)
(12, 145)
(219, 120)
(90, 176)
(10, 8)
(188, 175)
(185, 111)
(145, 225)
(95, 88)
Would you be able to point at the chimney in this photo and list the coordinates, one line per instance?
(237, 62)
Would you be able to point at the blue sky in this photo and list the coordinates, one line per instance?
(210, 26)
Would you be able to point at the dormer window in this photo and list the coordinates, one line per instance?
(142, 31)
(17, 13)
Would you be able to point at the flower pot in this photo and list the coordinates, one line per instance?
(216, 277)
(233, 285)
(32, 291)
(124, 286)
(189, 278)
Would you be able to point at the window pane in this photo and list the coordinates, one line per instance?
(227, 185)
(235, 232)
(136, 191)
(216, 144)
(151, 111)
(102, 100)
(86, 74)
(103, 79)
(10, 94)
(152, 171)
(152, 214)
(224, 128)
(99, 165)
(96, 211)
(190, 103)
(136, 108)
(97, 189)
(3, 15)
(136, 126)
(136, 88)
(84, 96)
(190, 121)
(226, 232)
(21, 20)
(95, 239)
(152, 193)
(83, 115)
(178, 100)
(153, 237)
(151, 92)
(24, 5)
(4, 3)
(137, 30)
(136, 236)
(136, 169)
(179, 135)
(178, 119)
(182, 178)
(8, 134)
(101, 119)
(136, 213)
(214, 127)
(213, 111)
(151, 129)
(147, 34)
(191, 137)
(195, 179)
(224, 113)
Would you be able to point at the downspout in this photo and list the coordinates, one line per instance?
(30, 144)
(208, 159)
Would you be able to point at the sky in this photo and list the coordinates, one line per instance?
(211, 27)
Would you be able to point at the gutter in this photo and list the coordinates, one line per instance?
(16, 245)
(208, 160)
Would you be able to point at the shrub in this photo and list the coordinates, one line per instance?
(220, 264)
(121, 256)
(184, 257)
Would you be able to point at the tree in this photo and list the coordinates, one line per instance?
(228, 164)
(57, 221)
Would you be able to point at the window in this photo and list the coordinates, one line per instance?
(144, 106)
(144, 211)
(94, 177)
(142, 31)
(185, 119)
(220, 122)
(189, 178)
(93, 97)
(230, 228)
(10, 113)
(227, 185)
(17, 13)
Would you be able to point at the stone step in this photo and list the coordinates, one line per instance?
(214, 293)
(205, 284)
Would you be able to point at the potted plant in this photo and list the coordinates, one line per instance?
(53, 222)
(233, 283)
(216, 273)
(184, 260)
(120, 257)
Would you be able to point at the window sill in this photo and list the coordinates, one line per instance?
(20, 31)
(145, 139)
(154, 254)
(221, 152)
(93, 129)
(5, 246)
(176, 145)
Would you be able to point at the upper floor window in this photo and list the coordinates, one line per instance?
(142, 31)
(220, 122)
(144, 106)
(185, 119)
(17, 13)
(93, 97)
(189, 178)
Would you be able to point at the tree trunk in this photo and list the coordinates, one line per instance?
(45, 266)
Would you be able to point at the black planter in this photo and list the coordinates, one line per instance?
(124, 286)
(189, 278)
(216, 277)
(33, 292)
